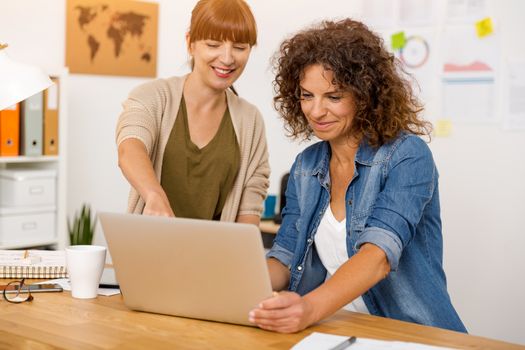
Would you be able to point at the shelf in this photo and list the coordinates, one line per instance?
(29, 244)
(24, 159)
(59, 239)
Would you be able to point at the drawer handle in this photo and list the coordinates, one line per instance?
(36, 189)
(29, 226)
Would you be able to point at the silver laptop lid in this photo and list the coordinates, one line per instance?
(185, 267)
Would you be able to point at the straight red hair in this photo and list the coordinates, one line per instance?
(223, 20)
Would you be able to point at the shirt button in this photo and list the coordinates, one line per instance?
(309, 240)
(349, 202)
(299, 268)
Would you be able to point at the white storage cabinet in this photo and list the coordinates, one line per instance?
(33, 209)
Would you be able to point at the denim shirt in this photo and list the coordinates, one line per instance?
(392, 202)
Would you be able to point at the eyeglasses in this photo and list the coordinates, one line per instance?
(16, 292)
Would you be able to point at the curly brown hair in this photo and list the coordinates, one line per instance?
(385, 102)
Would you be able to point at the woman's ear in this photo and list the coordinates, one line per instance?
(188, 43)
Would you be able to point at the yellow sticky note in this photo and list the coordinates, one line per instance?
(398, 40)
(484, 27)
(443, 127)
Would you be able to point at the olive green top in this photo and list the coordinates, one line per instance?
(149, 114)
(197, 180)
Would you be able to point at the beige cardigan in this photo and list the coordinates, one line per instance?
(149, 115)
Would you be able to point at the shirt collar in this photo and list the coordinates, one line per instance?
(364, 156)
(365, 153)
(322, 167)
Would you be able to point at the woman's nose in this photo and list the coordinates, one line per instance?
(226, 56)
(317, 108)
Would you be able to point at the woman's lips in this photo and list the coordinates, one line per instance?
(223, 72)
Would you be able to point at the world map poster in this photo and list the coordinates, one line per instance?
(112, 37)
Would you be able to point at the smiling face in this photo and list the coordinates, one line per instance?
(328, 109)
(219, 63)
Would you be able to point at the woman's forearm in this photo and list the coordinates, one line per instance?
(249, 219)
(360, 273)
(136, 166)
(279, 274)
(138, 170)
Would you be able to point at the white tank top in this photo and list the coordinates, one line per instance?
(330, 241)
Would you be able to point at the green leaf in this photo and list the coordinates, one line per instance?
(82, 227)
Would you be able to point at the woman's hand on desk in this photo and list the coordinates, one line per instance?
(157, 204)
(285, 312)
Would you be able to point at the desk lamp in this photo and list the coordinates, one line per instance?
(19, 81)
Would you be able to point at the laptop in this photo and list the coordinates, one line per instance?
(186, 267)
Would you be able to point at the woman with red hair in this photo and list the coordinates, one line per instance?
(189, 146)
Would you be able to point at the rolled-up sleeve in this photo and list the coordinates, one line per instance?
(388, 241)
(138, 117)
(283, 255)
(284, 245)
(411, 178)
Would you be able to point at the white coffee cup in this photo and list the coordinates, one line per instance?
(85, 264)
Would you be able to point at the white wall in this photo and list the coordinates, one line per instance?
(482, 167)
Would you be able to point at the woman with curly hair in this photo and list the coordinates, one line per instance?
(361, 228)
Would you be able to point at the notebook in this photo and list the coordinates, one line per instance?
(323, 341)
(32, 264)
(185, 267)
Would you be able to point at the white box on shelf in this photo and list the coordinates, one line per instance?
(27, 187)
(27, 225)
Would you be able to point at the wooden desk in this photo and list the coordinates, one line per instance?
(269, 227)
(56, 320)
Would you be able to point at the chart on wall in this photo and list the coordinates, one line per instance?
(111, 37)
(415, 49)
(469, 75)
(418, 59)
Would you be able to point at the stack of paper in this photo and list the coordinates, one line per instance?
(322, 341)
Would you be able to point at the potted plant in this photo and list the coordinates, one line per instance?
(82, 228)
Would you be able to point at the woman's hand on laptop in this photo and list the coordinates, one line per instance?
(157, 204)
(284, 312)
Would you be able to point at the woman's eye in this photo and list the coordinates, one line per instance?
(214, 45)
(305, 96)
(334, 98)
(240, 46)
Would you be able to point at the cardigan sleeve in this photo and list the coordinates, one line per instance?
(257, 182)
(141, 114)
